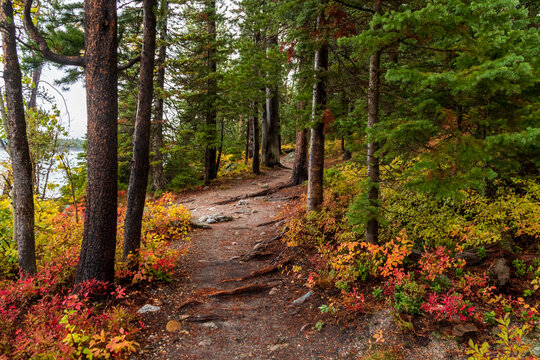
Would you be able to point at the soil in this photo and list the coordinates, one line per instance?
(259, 321)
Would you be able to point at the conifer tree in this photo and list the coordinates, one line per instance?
(96, 260)
(18, 144)
(316, 152)
(138, 179)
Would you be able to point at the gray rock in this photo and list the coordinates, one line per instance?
(500, 272)
(289, 157)
(242, 211)
(273, 291)
(277, 347)
(303, 298)
(217, 218)
(199, 224)
(148, 308)
(223, 218)
(265, 186)
(203, 218)
(205, 343)
(242, 202)
(210, 325)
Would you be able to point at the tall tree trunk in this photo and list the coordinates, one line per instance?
(316, 153)
(300, 168)
(346, 152)
(372, 225)
(36, 77)
(256, 164)
(18, 142)
(158, 176)
(5, 125)
(138, 180)
(271, 147)
(220, 151)
(96, 260)
(210, 161)
(346, 105)
(255, 131)
(248, 141)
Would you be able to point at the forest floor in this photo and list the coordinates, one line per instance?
(259, 320)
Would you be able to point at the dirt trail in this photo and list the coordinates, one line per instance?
(260, 324)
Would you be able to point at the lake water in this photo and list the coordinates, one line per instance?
(57, 177)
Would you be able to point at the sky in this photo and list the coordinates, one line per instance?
(75, 101)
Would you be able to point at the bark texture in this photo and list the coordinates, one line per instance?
(18, 144)
(96, 260)
(248, 142)
(316, 153)
(372, 225)
(158, 176)
(256, 164)
(36, 77)
(210, 157)
(300, 166)
(138, 180)
(271, 145)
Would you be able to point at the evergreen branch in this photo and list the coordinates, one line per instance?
(357, 7)
(430, 48)
(42, 43)
(130, 63)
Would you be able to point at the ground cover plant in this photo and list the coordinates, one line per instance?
(435, 258)
(43, 316)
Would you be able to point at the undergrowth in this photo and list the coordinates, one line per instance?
(418, 267)
(42, 317)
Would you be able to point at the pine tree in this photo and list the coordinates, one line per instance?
(18, 145)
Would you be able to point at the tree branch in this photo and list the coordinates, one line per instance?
(42, 43)
(130, 63)
(357, 7)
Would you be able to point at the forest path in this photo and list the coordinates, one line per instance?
(261, 324)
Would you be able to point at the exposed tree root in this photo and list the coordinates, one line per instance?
(189, 303)
(286, 198)
(248, 289)
(269, 223)
(204, 318)
(260, 272)
(259, 193)
(261, 247)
